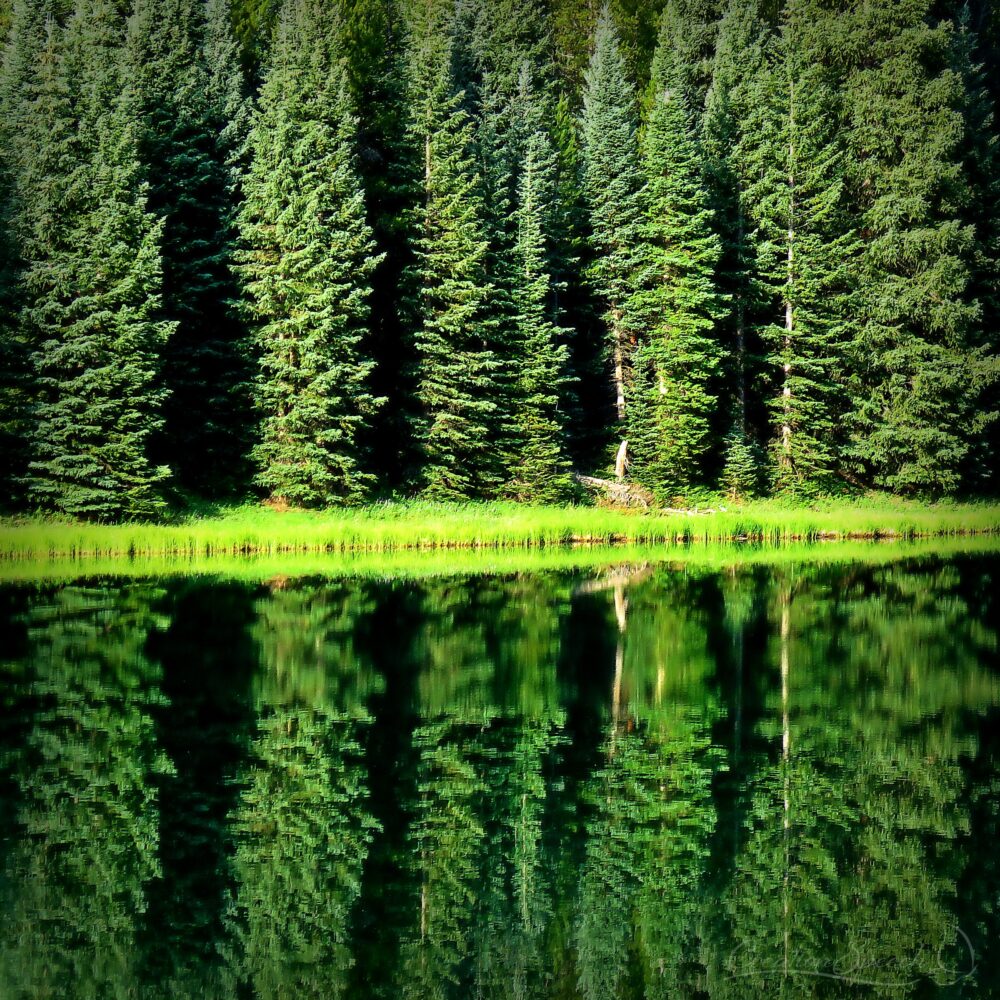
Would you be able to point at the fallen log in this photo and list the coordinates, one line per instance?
(618, 492)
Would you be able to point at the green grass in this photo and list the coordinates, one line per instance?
(410, 564)
(398, 526)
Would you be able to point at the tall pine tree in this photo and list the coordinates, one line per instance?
(612, 186)
(729, 142)
(919, 389)
(807, 251)
(679, 303)
(980, 153)
(460, 381)
(541, 469)
(92, 278)
(192, 119)
(307, 268)
(17, 73)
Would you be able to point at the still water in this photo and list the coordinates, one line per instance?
(640, 781)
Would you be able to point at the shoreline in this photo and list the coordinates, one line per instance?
(251, 531)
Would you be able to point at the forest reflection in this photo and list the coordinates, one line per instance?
(652, 781)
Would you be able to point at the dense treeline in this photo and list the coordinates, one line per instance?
(331, 251)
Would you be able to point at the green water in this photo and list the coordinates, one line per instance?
(635, 781)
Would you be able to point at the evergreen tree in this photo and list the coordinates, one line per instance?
(682, 60)
(980, 154)
(29, 27)
(541, 469)
(189, 81)
(612, 187)
(307, 267)
(460, 378)
(14, 382)
(917, 404)
(390, 165)
(671, 420)
(728, 142)
(807, 253)
(15, 373)
(92, 279)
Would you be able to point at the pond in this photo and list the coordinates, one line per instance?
(640, 779)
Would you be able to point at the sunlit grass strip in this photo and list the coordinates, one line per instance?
(408, 564)
(393, 527)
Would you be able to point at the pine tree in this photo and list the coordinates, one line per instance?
(192, 119)
(919, 392)
(390, 166)
(92, 279)
(15, 373)
(459, 379)
(612, 187)
(679, 304)
(682, 60)
(728, 142)
(807, 252)
(307, 267)
(980, 154)
(541, 470)
(29, 24)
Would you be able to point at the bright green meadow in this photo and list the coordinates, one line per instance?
(255, 530)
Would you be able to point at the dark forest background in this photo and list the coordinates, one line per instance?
(324, 252)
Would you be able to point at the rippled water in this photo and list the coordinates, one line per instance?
(640, 781)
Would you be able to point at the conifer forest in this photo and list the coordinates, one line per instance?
(327, 251)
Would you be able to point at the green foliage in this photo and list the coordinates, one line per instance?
(185, 66)
(685, 44)
(678, 303)
(460, 378)
(92, 278)
(918, 402)
(482, 244)
(807, 251)
(729, 140)
(89, 804)
(307, 266)
(612, 187)
(540, 469)
(741, 466)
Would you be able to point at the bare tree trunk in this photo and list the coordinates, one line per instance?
(619, 359)
(621, 460)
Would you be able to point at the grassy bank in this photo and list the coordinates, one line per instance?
(410, 564)
(393, 527)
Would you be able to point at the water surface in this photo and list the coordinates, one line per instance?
(640, 780)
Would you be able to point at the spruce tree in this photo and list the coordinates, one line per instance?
(918, 392)
(980, 154)
(390, 165)
(92, 279)
(307, 268)
(541, 470)
(459, 379)
(15, 371)
(679, 304)
(729, 140)
(682, 60)
(189, 81)
(612, 186)
(19, 78)
(807, 251)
